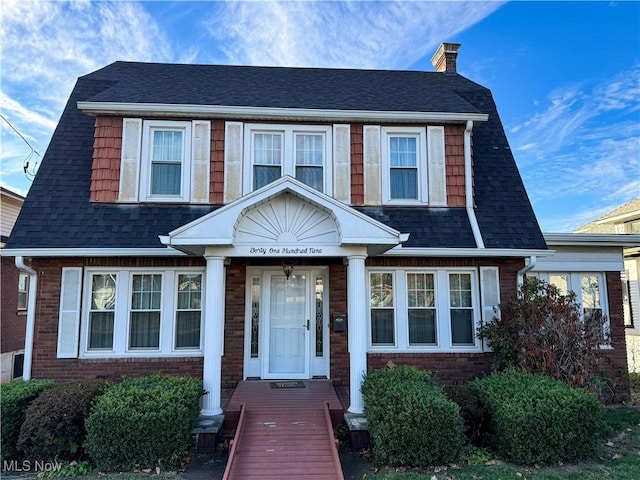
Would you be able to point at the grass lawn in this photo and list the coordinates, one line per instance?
(619, 458)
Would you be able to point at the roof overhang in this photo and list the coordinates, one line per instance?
(274, 113)
(592, 239)
(285, 218)
(89, 252)
(467, 252)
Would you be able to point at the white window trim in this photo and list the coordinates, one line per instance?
(443, 318)
(145, 164)
(420, 133)
(288, 150)
(122, 314)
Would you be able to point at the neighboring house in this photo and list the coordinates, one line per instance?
(14, 288)
(625, 221)
(278, 223)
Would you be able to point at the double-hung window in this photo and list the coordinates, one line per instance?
(425, 309)
(188, 311)
(301, 151)
(102, 311)
(144, 316)
(166, 171)
(421, 302)
(23, 291)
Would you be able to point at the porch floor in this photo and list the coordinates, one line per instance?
(284, 432)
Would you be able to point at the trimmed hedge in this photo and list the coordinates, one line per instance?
(14, 400)
(473, 411)
(144, 422)
(537, 419)
(54, 422)
(411, 421)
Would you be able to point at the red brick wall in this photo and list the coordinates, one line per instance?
(12, 324)
(233, 359)
(616, 358)
(357, 159)
(447, 368)
(46, 365)
(338, 341)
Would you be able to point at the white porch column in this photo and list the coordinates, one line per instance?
(357, 318)
(213, 335)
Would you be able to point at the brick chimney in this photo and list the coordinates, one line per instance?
(444, 60)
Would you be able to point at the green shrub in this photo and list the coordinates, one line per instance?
(474, 413)
(411, 421)
(14, 399)
(543, 330)
(54, 422)
(144, 422)
(536, 419)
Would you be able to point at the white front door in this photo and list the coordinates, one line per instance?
(288, 322)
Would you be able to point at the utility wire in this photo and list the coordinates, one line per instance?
(30, 175)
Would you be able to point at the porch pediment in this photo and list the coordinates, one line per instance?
(284, 218)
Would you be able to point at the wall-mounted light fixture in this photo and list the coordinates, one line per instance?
(287, 268)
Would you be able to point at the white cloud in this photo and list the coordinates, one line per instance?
(45, 46)
(587, 150)
(392, 34)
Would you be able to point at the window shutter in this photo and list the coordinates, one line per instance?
(490, 292)
(372, 166)
(200, 161)
(232, 161)
(437, 175)
(69, 318)
(342, 163)
(130, 159)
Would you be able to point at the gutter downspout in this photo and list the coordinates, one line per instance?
(31, 316)
(529, 264)
(475, 228)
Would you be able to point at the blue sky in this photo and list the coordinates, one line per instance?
(565, 75)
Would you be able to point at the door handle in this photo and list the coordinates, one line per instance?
(306, 324)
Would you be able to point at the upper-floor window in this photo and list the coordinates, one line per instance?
(301, 151)
(413, 165)
(165, 161)
(166, 169)
(23, 291)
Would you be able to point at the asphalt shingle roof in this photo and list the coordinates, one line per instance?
(57, 212)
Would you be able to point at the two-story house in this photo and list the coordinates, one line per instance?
(236, 222)
(14, 287)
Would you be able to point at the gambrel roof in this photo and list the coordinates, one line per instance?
(57, 212)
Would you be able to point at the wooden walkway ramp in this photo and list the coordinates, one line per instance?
(284, 433)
